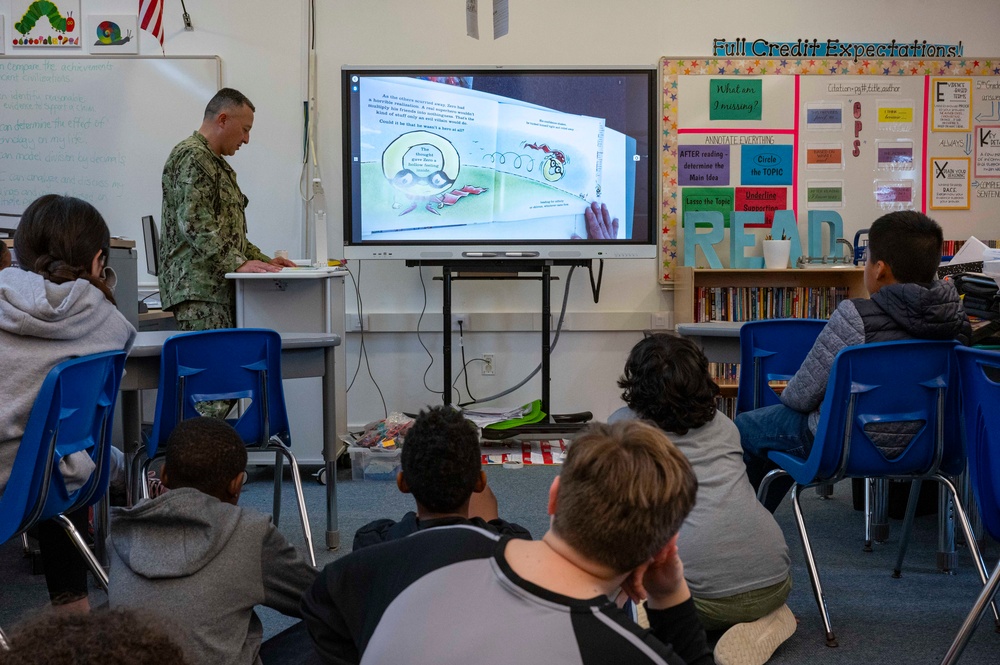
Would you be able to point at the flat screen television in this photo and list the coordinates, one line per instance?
(498, 163)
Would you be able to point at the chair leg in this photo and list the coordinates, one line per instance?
(947, 557)
(4, 644)
(74, 535)
(300, 497)
(904, 536)
(972, 620)
(766, 482)
(831, 639)
(25, 547)
(963, 520)
(279, 474)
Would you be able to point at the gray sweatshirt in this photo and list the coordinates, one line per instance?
(203, 565)
(41, 325)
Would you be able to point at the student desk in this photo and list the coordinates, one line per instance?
(303, 355)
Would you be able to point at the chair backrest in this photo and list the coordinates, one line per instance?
(228, 364)
(980, 375)
(771, 350)
(151, 243)
(891, 409)
(74, 411)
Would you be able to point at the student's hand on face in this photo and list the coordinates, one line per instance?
(600, 224)
(258, 266)
(661, 581)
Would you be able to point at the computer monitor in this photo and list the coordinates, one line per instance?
(151, 241)
(494, 163)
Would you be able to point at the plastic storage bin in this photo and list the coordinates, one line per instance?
(374, 463)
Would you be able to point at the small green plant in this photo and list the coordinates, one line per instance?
(783, 236)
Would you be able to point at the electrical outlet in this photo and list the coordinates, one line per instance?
(489, 369)
(464, 318)
(662, 321)
(357, 323)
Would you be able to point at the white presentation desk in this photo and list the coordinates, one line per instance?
(302, 301)
(303, 355)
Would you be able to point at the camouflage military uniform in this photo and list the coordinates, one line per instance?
(204, 235)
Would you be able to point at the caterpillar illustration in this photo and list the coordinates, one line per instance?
(37, 10)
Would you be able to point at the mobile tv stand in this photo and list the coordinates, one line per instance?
(479, 269)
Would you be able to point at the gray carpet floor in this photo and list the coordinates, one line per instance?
(878, 620)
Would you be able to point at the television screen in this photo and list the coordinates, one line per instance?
(499, 163)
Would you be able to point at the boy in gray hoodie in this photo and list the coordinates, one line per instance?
(194, 556)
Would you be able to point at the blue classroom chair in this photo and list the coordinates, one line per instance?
(980, 376)
(771, 350)
(229, 364)
(891, 410)
(73, 412)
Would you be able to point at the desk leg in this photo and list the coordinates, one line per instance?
(131, 435)
(330, 445)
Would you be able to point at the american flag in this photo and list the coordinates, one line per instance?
(151, 18)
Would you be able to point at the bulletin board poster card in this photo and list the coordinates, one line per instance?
(862, 138)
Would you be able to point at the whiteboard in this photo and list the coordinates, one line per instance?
(97, 128)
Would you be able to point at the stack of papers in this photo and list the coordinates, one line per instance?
(488, 415)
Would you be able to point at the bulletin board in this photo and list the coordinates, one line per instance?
(861, 138)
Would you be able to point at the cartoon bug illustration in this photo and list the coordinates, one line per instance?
(422, 166)
(37, 10)
(553, 162)
(109, 34)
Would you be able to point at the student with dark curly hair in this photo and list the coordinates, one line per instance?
(53, 307)
(108, 637)
(200, 559)
(442, 469)
(735, 557)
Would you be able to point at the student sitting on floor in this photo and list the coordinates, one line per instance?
(907, 301)
(442, 468)
(735, 557)
(195, 557)
(622, 493)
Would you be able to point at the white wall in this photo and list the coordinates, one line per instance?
(263, 49)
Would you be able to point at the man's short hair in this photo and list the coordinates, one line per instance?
(224, 100)
(206, 454)
(666, 380)
(909, 242)
(624, 491)
(441, 459)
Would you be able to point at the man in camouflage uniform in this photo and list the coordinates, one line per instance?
(203, 228)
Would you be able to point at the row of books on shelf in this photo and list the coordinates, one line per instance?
(951, 247)
(749, 303)
(726, 405)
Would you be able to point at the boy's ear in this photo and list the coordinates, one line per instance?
(554, 496)
(480, 483)
(401, 483)
(164, 473)
(234, 488)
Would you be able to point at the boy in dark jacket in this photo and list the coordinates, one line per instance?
(199, 559)
(906, 302)
(442, 468)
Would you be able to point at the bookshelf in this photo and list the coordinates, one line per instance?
(702, 295)
(753, 294)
